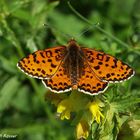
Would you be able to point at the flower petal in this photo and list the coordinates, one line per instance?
(95, 110)
(64, 109)
(82, 130)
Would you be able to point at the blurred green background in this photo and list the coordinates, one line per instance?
(23, 110)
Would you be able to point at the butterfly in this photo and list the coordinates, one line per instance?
(71, 67)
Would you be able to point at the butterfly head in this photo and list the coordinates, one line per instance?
(72, 41)
(72, 45)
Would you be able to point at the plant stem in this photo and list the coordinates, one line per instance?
(99, 28)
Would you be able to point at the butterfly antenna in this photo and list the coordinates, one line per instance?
(98, 27)
(64, 34)
(86, 30)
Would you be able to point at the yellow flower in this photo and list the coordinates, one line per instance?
(82, 129)
(95, 109)
(64, 108)
(73, 103)
(81, 104)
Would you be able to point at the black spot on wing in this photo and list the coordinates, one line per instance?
(100, 56)
(97, 67)
(108, 75)
(53, 65)
(43, 71)
(100, 63)
(48, 53)
(107, 58)
(41, 53)
(49, 60)
(38, 69)
(106, 65)
(43, 61)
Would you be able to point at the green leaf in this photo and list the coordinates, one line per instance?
(72, 26)
(8, 91)
(21, 101)
(7, 65)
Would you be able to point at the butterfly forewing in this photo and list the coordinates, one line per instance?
(42, 64)
(107, 67)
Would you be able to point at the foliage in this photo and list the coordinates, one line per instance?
(23, 110)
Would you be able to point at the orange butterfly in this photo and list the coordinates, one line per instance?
(64, 68)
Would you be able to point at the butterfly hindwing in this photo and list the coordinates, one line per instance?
(107, 67)
(42, 64)
(89, 83)
(59, 83)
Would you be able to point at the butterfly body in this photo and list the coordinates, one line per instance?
(64, 68)
(73, 62)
